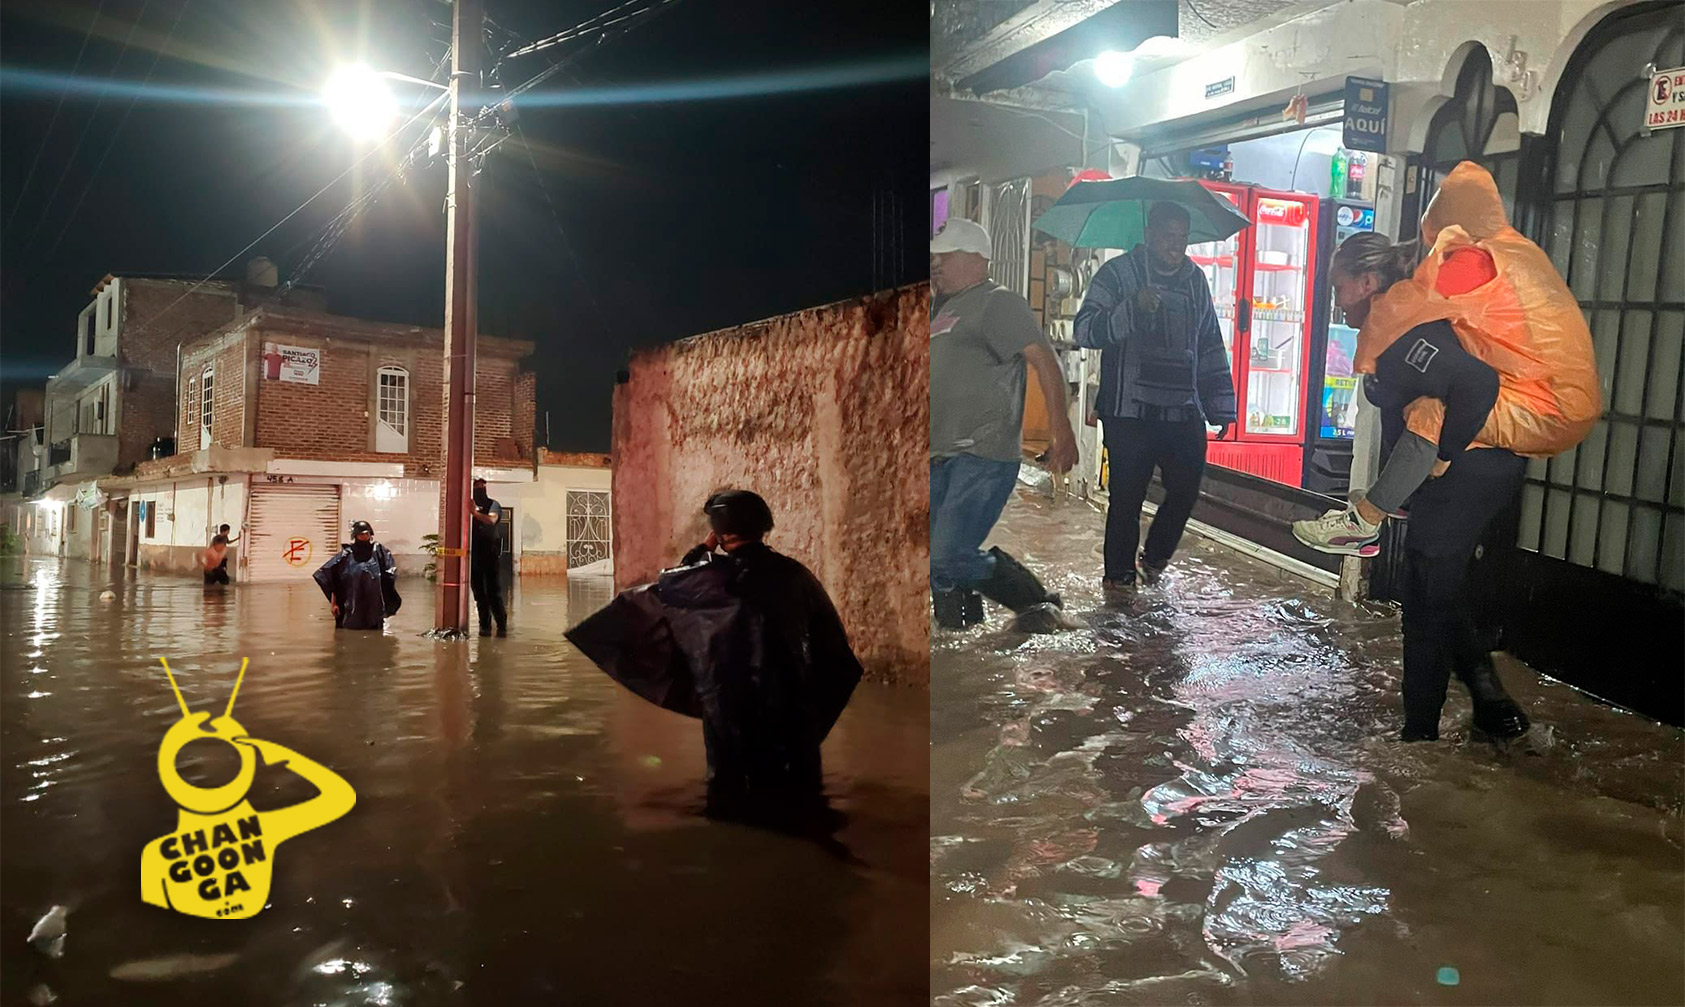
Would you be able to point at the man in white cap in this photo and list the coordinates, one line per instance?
(982, 336)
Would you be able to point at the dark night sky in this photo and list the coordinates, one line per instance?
(685, 216)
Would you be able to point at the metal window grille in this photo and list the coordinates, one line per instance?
(1614, 216)
(1009, 233)
(589, 538)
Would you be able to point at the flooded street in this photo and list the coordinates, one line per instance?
(1199, 800)
(526, 831)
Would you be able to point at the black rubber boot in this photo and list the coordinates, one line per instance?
(1495, 713)
(957, 609)
(1014, 586)
(1150, 572)
(1418, 732)
(950, 609)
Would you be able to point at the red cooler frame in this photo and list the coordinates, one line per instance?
(1253, 447)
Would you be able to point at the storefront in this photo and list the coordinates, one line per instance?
(1289, 351)
(1553, 105)
(1584, 577)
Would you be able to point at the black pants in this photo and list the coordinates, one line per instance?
(1448, 516)
(756, 767)
(488, 592)
(1135, 448)
(217, 576)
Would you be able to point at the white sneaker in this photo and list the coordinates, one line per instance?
(1341, 532)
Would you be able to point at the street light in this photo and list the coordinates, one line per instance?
(360, 102)
(363, 103)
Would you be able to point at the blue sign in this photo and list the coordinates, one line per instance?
(1225, 86)
(1364, 123)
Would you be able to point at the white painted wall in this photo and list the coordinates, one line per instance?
(41, 525)
(1315, 52)
(402, 511)
(1530, 42)
(184, 510)
(541, 506)
(1418, 48)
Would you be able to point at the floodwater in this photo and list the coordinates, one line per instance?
(525, 832)
(1199, 800)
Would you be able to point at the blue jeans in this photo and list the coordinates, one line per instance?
(967, 494)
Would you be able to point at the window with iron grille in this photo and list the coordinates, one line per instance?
(1615, 216)
(392, 410)
(588, 527)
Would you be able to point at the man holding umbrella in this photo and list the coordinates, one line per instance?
(1164, 375)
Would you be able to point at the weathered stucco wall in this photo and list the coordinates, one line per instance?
(825, 413)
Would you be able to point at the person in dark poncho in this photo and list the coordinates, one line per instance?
(360, 582)
(747, 640)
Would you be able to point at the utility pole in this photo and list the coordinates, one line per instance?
(461, 286)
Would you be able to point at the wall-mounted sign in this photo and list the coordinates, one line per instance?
(1221, 87)
(1364, 124)
(301, 364)
(1665, 107)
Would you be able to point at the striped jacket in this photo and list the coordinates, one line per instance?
(1168, 364)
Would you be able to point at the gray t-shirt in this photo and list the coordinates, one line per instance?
(977, 373)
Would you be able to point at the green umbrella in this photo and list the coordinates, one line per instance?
(1113, 214)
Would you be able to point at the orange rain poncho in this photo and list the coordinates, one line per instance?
(1525, 324)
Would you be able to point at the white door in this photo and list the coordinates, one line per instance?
(292, 532)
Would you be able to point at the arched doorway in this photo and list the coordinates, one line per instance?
(1596, 588)
(1478, 123)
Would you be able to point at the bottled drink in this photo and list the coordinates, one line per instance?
(1356, 169)
(1337, 175)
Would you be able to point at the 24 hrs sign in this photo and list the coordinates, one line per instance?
(1665, 106)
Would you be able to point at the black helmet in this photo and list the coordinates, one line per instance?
(359, 527)
(738, 512)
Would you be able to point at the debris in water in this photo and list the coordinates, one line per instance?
(108, 596)
(41, 995)
(153, 970)
(651, 761)
(48, 935)
(1448, 976)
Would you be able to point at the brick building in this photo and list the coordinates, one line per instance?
(294, 423)
(310, 385)
(104, 410)
(285, 423)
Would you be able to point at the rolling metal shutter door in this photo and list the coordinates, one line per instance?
(294, 530)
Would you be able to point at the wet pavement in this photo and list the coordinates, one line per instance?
(1198, 800)
(525, 830)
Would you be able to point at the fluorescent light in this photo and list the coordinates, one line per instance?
(1113, 68)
